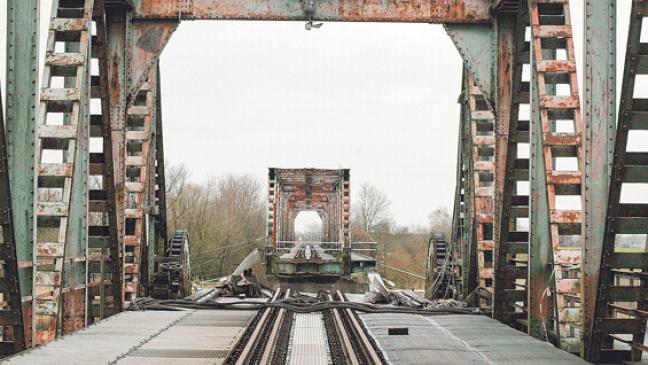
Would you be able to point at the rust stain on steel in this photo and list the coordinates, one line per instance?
(486, 273)
(151, 39)
(568, 286)
(568, 257)
(565, 216)
(559, 102)
(49, 249)
(421, 11)
(563, 177)
(27, 322)
(45, 329)
(566, 139)
(73, 310)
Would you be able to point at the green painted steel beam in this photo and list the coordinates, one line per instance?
(541, 281)
(22, 87)
(469, 254)
(476, 44)
(600, 129)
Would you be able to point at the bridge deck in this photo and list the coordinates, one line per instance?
(151, 337)
(207, 336)
(459, 339)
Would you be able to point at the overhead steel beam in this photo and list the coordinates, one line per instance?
(412, 11)
(22, 70)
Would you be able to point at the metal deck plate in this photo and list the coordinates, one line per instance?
(150, 337)
(460, 339)
(308, 343)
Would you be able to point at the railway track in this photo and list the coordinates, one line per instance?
(277, 336)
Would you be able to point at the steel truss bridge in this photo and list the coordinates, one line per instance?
(80, 228)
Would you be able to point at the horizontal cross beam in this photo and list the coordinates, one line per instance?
(408, 11)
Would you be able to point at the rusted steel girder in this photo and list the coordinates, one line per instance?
(482, 132)
(160, 181)
(599, 113)
(457, 239)
(104, 263)
(511, 236)
(469, 275)
(61, 147)
(118, 25)
(620, 308)
(139, 126)
(413, 11)
(11, 314)
(148, 39)
(477, 46)
(557, 174)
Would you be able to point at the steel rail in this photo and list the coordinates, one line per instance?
(369, 353)
(268, 351)
(346, 341)
(250, 346)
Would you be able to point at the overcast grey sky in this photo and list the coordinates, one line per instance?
(380, 99)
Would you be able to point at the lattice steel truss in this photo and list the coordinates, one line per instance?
(531, 231)
(621, 307)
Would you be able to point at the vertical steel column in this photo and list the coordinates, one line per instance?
(117, 23)
(540, 284)
(558, 135)
(469, 253)
(345, 219)
(60, 233)
(505, 64)
(512, 244)
(11, 316)
(618, 329)
(600, 126)
(150, 188)
(139, 119)
(104, 279)
(457, 239)
(482, 132)
(22, 71)
(271, 219)
(160, 178)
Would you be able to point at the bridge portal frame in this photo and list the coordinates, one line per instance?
(484, 32)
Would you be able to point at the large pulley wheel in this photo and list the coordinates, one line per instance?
(173, 275)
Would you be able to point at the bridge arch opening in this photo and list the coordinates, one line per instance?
(308, 226)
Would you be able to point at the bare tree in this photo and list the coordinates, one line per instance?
(225, 218)
(441, 221)
(371, 208)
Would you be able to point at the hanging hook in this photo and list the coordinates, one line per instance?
(309, 9)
